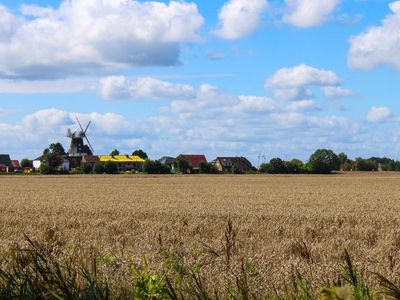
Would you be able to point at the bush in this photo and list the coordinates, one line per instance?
(205, 168)
(236, 170)
(26, 163)
(110, 168)
(85, 168)
(155, 167)
(324, 161)
(98, 168)
(45, 169)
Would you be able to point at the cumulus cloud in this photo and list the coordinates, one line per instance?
(94, 36)
(206, 120)
(336, 92)
(305, 105)
(297, 83)
(301, 75)
(379, 114)
(238, 125)
(239, 18)
(309, 13)
(378, 44)
(120, 87)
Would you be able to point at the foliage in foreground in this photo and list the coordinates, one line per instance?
(40, 271)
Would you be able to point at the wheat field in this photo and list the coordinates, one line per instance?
(280, 224)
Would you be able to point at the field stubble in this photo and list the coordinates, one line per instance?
(281, 224)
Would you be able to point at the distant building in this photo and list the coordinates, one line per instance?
(90, 159)
(36, 163)
(194, 160)
(16, 165)
(168, 161)
(65, 165)
(124, 162)
(5, 163)
(226, 164)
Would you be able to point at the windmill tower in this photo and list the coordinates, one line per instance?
(77, 147)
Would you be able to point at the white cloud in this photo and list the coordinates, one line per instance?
(239, 18)
(297, 83)
(242, 125)
(336, 92)
(378, 44)
(379, 114)
(303, 105)
(254, 104)
(207, 120)
(309, 13)
(120, 87)
(94, 36)
(301, 75)
(292, 94)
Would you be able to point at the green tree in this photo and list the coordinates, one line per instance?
(98, 168)
(110, 167)
(264, 168)
(53, 156)
(365, 165)
(45, 169)
(324, 161)
(114, 152)
(277, 166)
(295, 166)
(182, 165)
(26, 163)
(343, 159)
(140, 153)
(155, 167)
(57, 148)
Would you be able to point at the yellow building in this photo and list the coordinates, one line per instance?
(124, 162)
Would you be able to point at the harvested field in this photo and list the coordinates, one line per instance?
(281, 224)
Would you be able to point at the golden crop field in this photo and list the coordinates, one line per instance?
(280, 224)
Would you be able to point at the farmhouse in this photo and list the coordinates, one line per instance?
(124, 162)
(168, 161)
(226, 164)
(194, 160)
(90, 159)
(5, 163)
(16, 165)
(36, 163)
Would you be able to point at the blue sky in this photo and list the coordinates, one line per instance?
(237, 77)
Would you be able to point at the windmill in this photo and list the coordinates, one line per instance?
(77, 147)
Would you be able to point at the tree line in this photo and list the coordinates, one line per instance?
(322, 161)
(325, 161)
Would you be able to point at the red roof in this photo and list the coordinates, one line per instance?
(194, 159)
(15, 164)
(90, 159)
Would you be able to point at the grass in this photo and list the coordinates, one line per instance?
(38, 272)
